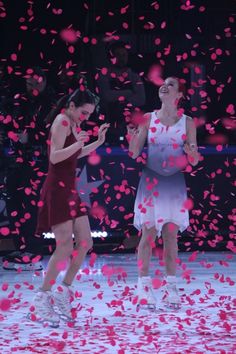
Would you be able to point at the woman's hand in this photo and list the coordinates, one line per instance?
(192, 153)
(82, 138)
(190, 149)
(131, 129)
(102, 132)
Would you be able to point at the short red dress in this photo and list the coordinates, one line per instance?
(59, 197)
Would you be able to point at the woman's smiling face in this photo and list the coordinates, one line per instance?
(169, 91)
(81, 113)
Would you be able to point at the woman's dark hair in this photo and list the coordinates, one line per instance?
(182, 89)
(79, 98)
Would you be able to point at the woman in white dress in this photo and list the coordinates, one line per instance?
(161, 201)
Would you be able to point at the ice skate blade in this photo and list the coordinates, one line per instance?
(150, 307)
(28, 267)
(67, 319)
(62, 316)
(23, 267)
(173, 306)
(42, 321)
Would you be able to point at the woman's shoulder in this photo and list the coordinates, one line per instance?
(146, 120)
(148, 114)
(188, 118)
(61, 117)
(61, 122)
(190, 124)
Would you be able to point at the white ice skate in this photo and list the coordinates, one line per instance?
(146, 298)
(62, 300)
(42, 310)
(171, 296)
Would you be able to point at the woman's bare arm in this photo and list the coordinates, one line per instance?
(190, 147)
(138, 137)
(86, 150)
(59, 132)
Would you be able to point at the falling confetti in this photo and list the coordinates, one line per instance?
(184, 40)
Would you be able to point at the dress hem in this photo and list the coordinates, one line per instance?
(47, 229)
(181, 227)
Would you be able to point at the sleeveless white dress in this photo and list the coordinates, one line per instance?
(162, 190)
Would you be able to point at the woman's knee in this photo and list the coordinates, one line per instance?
(170, 240)
(63, 236)
(64, 247)
(85, 243)
(147, 242)
(170, 230)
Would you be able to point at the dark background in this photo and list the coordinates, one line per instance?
(190, 33)
(197, 33)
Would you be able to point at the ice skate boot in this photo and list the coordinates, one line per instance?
(146, 298)
(24, 261)
(42, 310)
(63, 297)
(171, 296)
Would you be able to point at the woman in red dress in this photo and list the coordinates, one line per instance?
(61, 210)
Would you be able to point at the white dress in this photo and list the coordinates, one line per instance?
(162, 193)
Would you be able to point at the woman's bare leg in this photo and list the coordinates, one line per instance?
(83, 240)
(64, 248)
(146, 244)
(169, 234)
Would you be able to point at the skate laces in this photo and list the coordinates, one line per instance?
(172, 292)
(147, 284)
(172, 288)
(150, 295)
(62, 296)
(146, 287)
(43, 304)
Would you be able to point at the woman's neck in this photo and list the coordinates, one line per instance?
(73, 123)
(170, 111)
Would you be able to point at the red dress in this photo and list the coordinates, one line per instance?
(59, 197)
